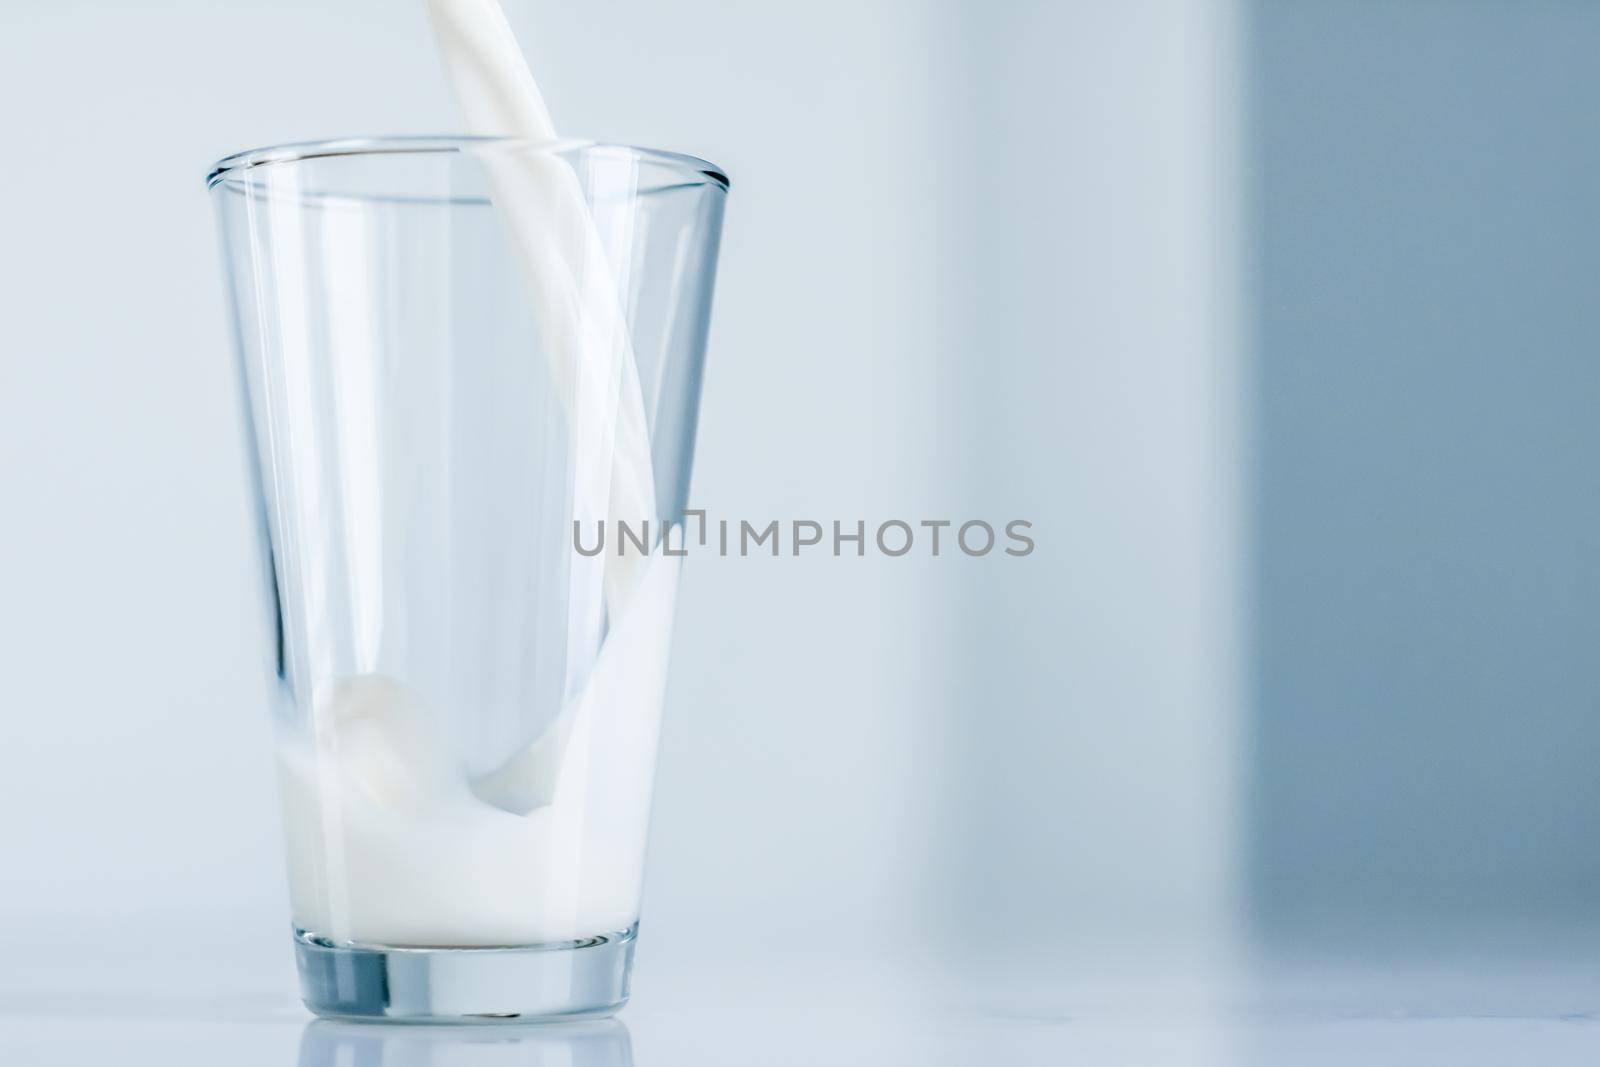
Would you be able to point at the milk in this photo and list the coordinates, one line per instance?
(390, 840)
(389, 845)
(547, 217)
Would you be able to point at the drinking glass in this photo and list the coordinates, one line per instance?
(466, 362)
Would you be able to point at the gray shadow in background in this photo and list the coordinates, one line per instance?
(1425, 246)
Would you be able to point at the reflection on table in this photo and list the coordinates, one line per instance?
(601, 1043)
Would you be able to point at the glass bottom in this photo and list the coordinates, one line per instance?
(531, 983)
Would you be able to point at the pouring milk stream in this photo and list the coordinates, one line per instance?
(390, 841)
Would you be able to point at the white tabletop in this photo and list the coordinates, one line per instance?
(137, 1003)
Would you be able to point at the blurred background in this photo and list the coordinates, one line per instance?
(1273, 318)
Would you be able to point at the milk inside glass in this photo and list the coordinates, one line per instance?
(396, 835)
(390, 845)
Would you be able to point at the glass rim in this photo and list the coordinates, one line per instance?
(231, 166)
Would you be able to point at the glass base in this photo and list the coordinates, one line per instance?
(571, 980)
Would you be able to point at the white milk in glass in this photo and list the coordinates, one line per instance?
(391, 840)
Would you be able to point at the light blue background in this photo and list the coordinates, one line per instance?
(1275, 320)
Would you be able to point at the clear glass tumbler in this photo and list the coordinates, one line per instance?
(467, 362)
